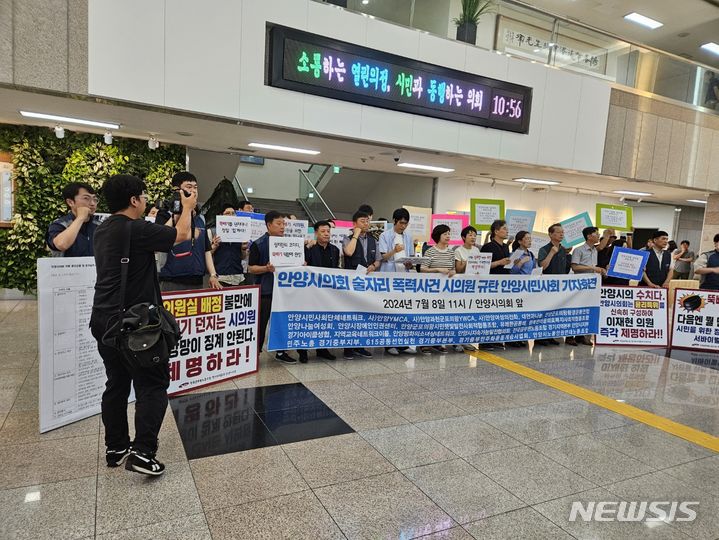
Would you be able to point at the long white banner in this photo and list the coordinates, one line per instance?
(219, 339)
(326, 308)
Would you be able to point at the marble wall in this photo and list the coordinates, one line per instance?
(652, 140)
(43, 44)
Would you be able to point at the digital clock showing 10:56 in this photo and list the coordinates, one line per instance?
(318, 65)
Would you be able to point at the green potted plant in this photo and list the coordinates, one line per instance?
(468, 19)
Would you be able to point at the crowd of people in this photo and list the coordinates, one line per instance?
(191, 256)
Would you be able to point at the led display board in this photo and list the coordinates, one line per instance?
(318, 65)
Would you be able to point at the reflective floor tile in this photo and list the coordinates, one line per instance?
(48, 461)
(462, 491)
(455, 533)
(219, 423)
(49, 511)
(232, 479)
(518, 524)
(407, 446)
(303, 423)
(559, 512)
(126, 498)
(188, 528)
(216, 423)
(385, 506)
(467, 435)
(589, 458)
(371, 414)
(331, 460)
(661, 486)
(649, 445)
(299, 516)
(24, 427)
(703, 473)
(529, 475)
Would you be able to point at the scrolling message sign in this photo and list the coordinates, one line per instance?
(314, 64)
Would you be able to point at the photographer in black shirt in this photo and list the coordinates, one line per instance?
(126, 199)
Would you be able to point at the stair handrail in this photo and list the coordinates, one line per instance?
(317, 193)
(244, 195)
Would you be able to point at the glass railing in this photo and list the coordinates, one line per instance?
(520, 30)
(309, 196)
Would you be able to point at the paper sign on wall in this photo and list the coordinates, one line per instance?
(455, 222)
(479, 264)
(573, 229)
(296, 228)
(287, 251)
(611, 216)
(419, 219)
(234, 228)
(519, 220)
(484, 211)
(627, 263)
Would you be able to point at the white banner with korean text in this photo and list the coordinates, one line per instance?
(637, 316)
(325, 308)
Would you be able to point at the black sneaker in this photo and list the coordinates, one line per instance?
(327, 355)
(285, 358)
(348, 354)
(303, 357)
(115, 458)
(363, 352)
(144, 464)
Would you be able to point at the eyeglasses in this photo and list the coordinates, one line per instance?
(88, 198)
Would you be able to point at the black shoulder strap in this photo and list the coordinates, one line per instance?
(125, 265)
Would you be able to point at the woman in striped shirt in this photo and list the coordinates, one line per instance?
(441, 261)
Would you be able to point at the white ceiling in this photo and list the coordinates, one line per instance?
(218, 135)
(698, 18)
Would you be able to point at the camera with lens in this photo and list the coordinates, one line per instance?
(172, 205)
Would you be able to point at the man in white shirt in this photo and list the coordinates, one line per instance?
(395, 245)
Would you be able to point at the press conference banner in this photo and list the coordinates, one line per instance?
(636, 316)
(327, 308)
(219, 339)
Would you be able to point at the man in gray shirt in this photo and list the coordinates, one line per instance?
(684, 259)
(554, 259)
(584, 261)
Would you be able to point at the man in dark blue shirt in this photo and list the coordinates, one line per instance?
(72, 234)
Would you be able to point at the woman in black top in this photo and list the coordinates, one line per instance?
(498, 234)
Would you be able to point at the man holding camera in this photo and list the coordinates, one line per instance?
(72, 234)
(188, 262)
(126, 199)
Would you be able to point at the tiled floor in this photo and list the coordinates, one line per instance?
(442, 447)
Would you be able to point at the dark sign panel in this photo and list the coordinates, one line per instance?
(326, 67)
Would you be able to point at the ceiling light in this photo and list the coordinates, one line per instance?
(59, 132)
(711, 47)
(250, 189)
(642, 20)
(635, 193)
(108, 138)
(696, 201)
(536, 181)
(424, 167)
(69, 120)
(365, 2)
(284, 148)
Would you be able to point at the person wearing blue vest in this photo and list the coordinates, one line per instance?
(189, 261)
(260, 266)
(72, 234)
(707, 267)
(658, 271)
(360, 249)
(228, 256)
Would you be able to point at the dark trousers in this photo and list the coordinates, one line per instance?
(150, 393)
(265, 312)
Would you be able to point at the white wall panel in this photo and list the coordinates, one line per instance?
(336, 23)
(202, 56)
(386, 126)
(561, 103)
(258, 102)
(126, 50)
(391, 38)
(519, 147)
(442, 52)
(332, 116)
(435, 134)
(591, 125)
